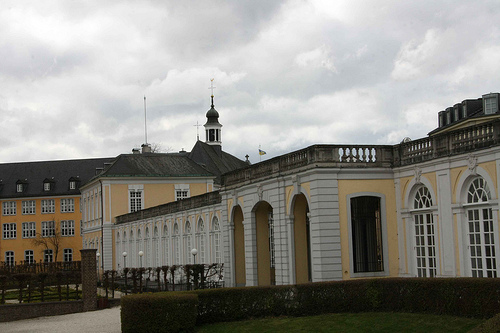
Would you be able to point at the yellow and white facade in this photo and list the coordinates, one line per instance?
(426, 208)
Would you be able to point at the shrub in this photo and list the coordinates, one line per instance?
(159, 312)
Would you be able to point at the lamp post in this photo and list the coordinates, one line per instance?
(140, 257)
(124, 254)
(194, 252)
(98, 268)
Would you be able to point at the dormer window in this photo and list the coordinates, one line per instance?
(46, 186)
(490, 103)
(72, 185)
(19, 188)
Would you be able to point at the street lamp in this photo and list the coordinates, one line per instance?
(98, 270)
(124, 254)
(140, 256)
(194, 252)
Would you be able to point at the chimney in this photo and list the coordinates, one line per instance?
(136, 151)
(146, 148)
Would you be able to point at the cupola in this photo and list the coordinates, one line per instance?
(212, 126)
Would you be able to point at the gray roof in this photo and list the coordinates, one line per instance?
(214, 159)
(154, 165)
(59, 173)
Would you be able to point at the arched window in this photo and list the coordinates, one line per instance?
(156, 248)
(132, 244)
(425, 241)
(200, 241)
(188, 246)
(215, 240)
(165, 245)
(481, 230)
(147, 249)
(118, 246)
(176, 245)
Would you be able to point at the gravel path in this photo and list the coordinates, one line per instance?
(107, 320)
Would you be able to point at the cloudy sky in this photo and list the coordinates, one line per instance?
(288, 74)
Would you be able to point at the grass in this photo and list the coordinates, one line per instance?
(350, 322)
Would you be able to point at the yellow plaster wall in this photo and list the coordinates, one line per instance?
(157, 194)
(382, 186)
(197, 189)
(119, 200)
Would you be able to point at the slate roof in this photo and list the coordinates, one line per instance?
(33, 174)
(154, 165)
(214, 159)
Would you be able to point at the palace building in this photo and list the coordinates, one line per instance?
(425, 207)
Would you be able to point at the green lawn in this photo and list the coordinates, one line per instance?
(349, 322)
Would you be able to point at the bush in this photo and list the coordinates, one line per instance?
(159, 312)
(173, 311)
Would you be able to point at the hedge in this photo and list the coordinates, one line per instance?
(158, 312)
(465, 297)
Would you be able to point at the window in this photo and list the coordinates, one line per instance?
(181, 194)
(29, 207)
(48, 206)
(9, 230)
(165, 244)
(9, 208)
(72, 185)
(366, 234)
(272, 254)
(177, 248)
(19, 188)
(67, 205)
(48, 255)
(29, 257)
(48, 229)
(216, 240)
(200, 241)
(490, 104)
(135, 200)
(29, 229)
(181, 191)
(425, 243)
(481, 230)
(46, 186)
(68, 228)
(187, 242)
(67, 255)
(9, 258)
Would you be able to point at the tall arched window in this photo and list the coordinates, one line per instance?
(215, 240)
(481, 230)
(188, 246)
(139, 248)
(176, 245)
(200, 241)
(124, 247)
(425, 241)
(147, 248)
(156, 248)
(131, 254)
(165, 244)
(118, 246)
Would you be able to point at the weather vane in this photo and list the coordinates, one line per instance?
(212, 86)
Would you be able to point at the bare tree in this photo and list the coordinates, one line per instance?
(157, 147)
(52, 240)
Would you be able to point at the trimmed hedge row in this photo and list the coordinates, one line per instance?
(466, 297)
(159, 312)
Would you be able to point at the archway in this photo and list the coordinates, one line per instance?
(303, 267)
(265, 244)
(239, 248)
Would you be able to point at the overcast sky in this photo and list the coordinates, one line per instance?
(288, 74)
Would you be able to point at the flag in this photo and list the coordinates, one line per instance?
(261, 152)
